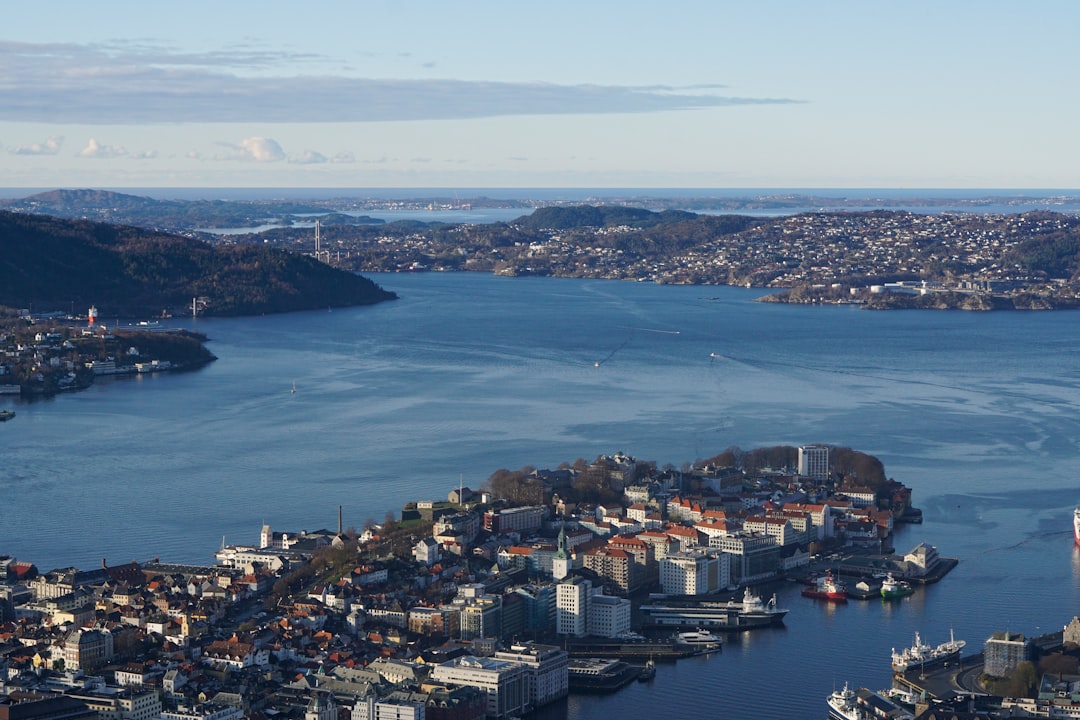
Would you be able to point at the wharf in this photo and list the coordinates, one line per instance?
(603, 647)
(594, 675)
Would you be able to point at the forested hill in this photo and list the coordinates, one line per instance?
(581, 216)
(47, 263)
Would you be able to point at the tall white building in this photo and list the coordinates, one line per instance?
(572, 606)
(814, 462)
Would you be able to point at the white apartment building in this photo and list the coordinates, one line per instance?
(609, 616)
(695, 572)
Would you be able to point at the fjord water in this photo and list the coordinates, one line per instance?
(467, 373)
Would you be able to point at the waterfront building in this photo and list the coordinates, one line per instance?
(1003, 651)
(753, 557)
(506, 684)
(547, 666)
(695, 572)
(814, 462)
(922, 558)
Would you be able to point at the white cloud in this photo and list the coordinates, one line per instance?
(94, 149)
(145, 155)
(343, 157)
(309, 157)
(258, 149)
(135, 84)
(49, 147)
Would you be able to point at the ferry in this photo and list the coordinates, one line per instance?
(827, 587)
(920, 654)
(891, 588)
(6, 415)
(1076, 526)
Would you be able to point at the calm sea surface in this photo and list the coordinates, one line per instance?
(979, 413)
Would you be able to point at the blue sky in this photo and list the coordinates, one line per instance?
(411, 93)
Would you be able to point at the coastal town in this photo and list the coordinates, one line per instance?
(854, 257)
(48, 353)
(492, 603)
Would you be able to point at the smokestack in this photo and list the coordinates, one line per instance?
(338, 519)
(103, 565)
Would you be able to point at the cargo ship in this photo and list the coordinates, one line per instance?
(922, 655)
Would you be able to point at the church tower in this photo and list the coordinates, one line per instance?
(560, 562)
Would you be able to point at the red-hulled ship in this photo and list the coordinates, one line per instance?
(827, 587)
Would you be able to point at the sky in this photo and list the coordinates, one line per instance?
(629, 94)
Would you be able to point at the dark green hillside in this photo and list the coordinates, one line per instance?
(581, 216)
(51, 263)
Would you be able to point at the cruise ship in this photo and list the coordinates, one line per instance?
(1076, 526)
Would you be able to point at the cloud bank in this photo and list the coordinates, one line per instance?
(69, 83)
(49, 147)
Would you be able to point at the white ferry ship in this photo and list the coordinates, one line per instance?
(1076, 526)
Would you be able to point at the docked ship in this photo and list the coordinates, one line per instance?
(1076, 526)
(827, 587)
(891, 588)
(863, 704)
(842, 705)
(699, 640)
(730, 616)
(922, 655)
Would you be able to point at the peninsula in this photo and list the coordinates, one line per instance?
(54, 264)
(475, 606)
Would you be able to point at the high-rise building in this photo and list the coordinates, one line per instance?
(814, 462)
(572, 606)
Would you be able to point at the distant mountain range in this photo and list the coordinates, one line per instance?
(52, 263)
